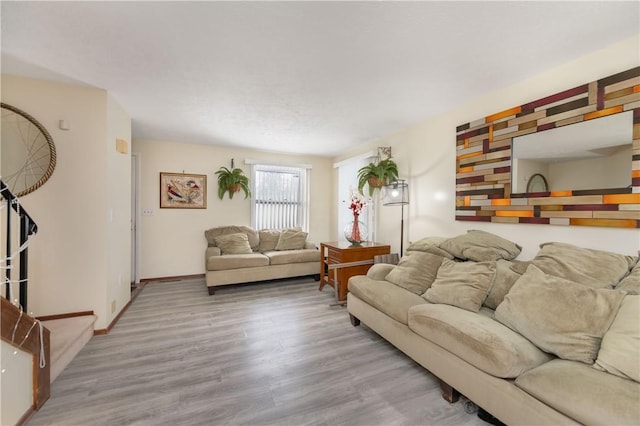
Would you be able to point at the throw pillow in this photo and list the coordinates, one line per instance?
(252, 234)
(291, 239)
(233, 243)
(503, 280)
(593, 268)
(268, 239)
(559, 316)
(631, 283)
(415, 272)
(481, 246)
(620, 349)
(461, 284)
(430, 245)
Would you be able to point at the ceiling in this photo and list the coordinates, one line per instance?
(298, 77)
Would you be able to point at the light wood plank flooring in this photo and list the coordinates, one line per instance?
(264, 354)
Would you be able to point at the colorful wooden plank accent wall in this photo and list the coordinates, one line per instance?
(483, 160)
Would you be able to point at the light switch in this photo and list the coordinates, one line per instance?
(147, 212)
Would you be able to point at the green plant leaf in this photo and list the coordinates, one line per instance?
(385, 170)
(227, 178)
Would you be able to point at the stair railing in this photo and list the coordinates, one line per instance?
(17, 328)
(28, 227)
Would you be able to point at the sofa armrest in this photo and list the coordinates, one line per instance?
(310, 246)
(211, 251)
(379, 271)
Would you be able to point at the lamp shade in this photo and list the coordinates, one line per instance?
(395, 194)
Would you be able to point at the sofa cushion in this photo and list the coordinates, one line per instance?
(461, 284)
(268, 239)
(503, 280)
(430, 245)
(378, 271)
(478, 339)
(620, 348)
(558, 315)
(293, 256)
(583, 393)
(233, 244)
(388, 298)
(236, 261)
(415, 272)
(481, 246)
(252, 234)
(291, 239)
(594, 268)
(631, 283)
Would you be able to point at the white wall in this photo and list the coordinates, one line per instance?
(612, 171)
(16, 392)
(118, 291)
(69, 265)
(426, 156)
(172, 240)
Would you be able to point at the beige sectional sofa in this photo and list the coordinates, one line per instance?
(240, 254)
(555, 340)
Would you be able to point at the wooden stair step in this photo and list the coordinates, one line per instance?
(68, 337)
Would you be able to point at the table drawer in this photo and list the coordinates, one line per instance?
(334, 256)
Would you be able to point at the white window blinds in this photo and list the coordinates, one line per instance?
(279, 197)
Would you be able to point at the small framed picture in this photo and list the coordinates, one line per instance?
(183, 191)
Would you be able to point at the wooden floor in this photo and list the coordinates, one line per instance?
(267, 354)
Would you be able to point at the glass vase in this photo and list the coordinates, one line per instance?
(355, 232)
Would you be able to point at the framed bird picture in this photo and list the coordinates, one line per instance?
(183, 191)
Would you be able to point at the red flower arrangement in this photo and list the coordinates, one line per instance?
(357, 203)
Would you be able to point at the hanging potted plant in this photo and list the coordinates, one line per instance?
(377, 175)
(232, 181)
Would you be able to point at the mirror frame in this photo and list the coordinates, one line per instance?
(52, 152)
(483, 160)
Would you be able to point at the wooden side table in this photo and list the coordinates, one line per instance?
(343, 261)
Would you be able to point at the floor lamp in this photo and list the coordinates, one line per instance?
(397, 194)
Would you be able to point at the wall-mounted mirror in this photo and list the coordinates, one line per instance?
(27, 152)
(570, 158)
(593, 154)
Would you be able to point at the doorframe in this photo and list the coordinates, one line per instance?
(135, 217)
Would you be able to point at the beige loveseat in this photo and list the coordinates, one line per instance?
(240, 254)
(554, 340)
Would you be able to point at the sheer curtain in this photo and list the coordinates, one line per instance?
(348, 183)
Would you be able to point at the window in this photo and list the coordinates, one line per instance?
(279, 197)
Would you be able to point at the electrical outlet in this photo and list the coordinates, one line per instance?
(147, 212)
(113, 306)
